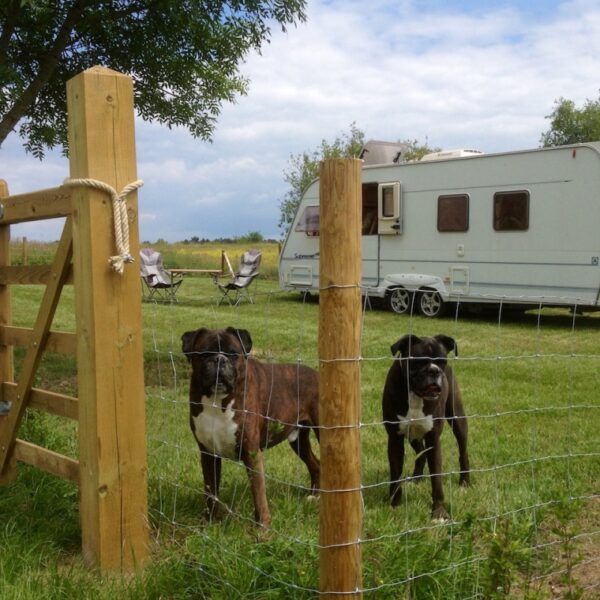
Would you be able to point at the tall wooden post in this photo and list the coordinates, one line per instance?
(112, 432)
(6, 351)
(339, 388)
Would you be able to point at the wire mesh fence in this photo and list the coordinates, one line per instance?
(528, 524)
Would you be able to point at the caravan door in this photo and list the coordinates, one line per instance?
(381, 215)
(389, 207)
(370, 234)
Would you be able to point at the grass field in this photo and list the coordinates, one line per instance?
(528, 527)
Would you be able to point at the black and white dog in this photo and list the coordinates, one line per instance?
(420, 393)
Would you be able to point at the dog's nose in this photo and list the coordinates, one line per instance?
(433, 371)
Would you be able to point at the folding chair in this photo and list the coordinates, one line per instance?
(237, 290)
(157, 283)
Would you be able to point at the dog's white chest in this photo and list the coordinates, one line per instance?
(215, 428)
(415, 424)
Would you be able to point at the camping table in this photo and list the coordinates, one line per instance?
(215, 273)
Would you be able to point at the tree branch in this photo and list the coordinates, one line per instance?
(47, 66)
(12, 17)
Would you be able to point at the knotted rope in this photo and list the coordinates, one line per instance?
(121, 222)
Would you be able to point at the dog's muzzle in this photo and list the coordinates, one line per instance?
(217, 373)
(430, 385)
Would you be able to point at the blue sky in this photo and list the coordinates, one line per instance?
(461, 74)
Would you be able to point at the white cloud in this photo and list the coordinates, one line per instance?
(462, 74)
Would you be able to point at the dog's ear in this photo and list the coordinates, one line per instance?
(404, 344)
(448, 343)
(245, 339)
(188, 340)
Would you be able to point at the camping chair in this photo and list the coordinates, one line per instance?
(157, 283)
(237, 290)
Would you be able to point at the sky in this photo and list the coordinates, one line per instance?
(458, 74)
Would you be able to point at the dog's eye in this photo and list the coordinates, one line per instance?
(419, 368)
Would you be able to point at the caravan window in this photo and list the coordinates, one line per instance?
(453, 213)
(309, 221)
(511, 211)
(369, 209)
(388, 207)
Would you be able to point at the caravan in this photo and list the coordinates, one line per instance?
(520, 228)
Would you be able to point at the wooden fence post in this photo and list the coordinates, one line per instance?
(339, 389)
(6, 351)
(112, 432)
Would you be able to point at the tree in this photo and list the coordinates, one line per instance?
(570, 125)
(183, 55)
(252, 237)
(304, 168)
(417, 150)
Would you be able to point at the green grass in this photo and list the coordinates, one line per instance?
(529, 383)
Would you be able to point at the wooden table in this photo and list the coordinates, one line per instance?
(214, 273)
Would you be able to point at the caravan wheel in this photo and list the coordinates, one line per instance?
(430, 303)
(399, 300)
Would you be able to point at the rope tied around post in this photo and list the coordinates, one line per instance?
(121, 222)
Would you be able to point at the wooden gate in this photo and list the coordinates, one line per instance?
(111, 470)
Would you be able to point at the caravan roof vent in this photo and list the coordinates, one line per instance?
(445, 154)
(375, 152)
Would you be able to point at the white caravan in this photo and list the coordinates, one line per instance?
(521, 228)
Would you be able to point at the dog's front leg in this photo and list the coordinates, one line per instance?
(396, 460)
(254, 461)
(211, 471)
(420, 459)
(434, 462)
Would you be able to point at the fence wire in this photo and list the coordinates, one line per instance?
(528, 523)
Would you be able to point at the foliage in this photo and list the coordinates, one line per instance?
(252, 237)
(509, 551)
(567, 530)
(183, 56)
(417, 150)
(304, 168)
(571, 125)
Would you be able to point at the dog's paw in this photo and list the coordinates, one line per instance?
(262, 531)
(440, 515)
(260, 534)
(213, 514)
(312, 498)
(441, 520)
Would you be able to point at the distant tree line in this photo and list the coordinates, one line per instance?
(252, 237)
